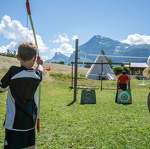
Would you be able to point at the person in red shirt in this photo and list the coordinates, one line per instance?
(123, 80)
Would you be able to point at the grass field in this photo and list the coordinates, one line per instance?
(91, 126)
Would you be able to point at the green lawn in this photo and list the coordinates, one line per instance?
(101, 125)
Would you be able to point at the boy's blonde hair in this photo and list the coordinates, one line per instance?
(27, 50)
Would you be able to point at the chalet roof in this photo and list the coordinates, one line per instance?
(137, 65)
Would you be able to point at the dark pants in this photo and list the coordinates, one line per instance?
(19, 139)
(123, 87)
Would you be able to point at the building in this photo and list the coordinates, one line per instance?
(134, 67)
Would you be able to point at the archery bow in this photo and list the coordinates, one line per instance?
(38, 58)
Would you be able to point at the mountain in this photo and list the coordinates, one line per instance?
(57, 58)
(110, 47)
(113, 48)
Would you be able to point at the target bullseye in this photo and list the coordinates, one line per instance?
(124, 96)
(88, 95)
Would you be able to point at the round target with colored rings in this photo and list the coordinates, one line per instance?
(124, 97)
(88, 95)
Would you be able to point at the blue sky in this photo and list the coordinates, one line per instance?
(58, 23)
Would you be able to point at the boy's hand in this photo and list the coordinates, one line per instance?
(39, 61)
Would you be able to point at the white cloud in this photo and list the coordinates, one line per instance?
(11, 47)
(74, 37)
(137, 39)
(65, 49)
(15, 31)
(41, 46)
(56, 40)
(127, 47)
(62, 38)
(44, 58)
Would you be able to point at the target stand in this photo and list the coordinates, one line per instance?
(88, 96)
(124, 97)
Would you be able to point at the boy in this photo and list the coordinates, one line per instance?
(123, 79)
(21, 106)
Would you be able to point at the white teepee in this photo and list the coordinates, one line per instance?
(96, 72)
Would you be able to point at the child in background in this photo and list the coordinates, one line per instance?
(21, 106)
(123, 79)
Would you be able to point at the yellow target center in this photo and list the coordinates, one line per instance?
(124, 97)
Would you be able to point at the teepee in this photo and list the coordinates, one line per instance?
(99, 71)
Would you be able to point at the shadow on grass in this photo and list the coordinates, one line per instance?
(126, 104)
(71, 103)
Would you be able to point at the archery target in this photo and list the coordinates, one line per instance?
(88, 96)
(124, 96)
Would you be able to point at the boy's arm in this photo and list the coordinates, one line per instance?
(119, 77)
(40, 63)
(4, 82)
(40, 67)
(3, 89)
(117, 85)
(129, 84)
